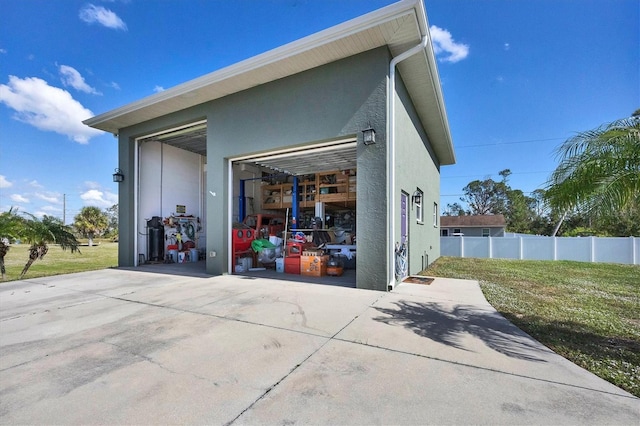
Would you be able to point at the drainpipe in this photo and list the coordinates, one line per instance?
(391, 109)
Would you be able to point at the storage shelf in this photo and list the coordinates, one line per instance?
(328, 187)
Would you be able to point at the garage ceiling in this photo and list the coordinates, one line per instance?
(340, 155)
(306, 161)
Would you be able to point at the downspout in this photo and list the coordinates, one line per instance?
(391, 110)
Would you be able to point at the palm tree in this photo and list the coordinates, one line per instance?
(599, 170)
(9, 229)
(91, 221)
(40, 233)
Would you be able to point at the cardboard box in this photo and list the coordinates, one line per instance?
(314, 266)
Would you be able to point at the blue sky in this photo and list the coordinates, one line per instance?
(518, 77)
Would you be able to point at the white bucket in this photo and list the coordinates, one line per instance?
(182, 257)
(280, 264)
(193, 255)
(246, 262)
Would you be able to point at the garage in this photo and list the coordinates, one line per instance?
(338, 136)
(304, 199)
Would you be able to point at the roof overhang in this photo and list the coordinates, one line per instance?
(399, 26)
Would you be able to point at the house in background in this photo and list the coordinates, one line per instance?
(347, 124)
(473, 226)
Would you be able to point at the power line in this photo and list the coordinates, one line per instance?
(509, 143)
(491, 174)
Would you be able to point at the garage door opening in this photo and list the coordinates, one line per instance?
(294, 214)
(170, 206)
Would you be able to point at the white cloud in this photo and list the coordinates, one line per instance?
(507, 46)
(91, 14)
(114, 85)
(97, 198)
(158, 89)
(3, 50)
(19, 198)
(4, 183)
(443, 43)
(91, 184)
(49, 197)
(71, 77)
(52, 209)
(47, 108)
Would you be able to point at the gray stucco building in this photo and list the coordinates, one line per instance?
(299, 110)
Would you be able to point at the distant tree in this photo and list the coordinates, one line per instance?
(487, 196)
(40, 233)
(599, 170)
(520, 211)
(9, 230)
(454, 209)
(112, 217)
(91, 221)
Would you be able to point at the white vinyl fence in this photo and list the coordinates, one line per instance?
(583, 249)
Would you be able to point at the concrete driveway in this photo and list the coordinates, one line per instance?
(124, 347)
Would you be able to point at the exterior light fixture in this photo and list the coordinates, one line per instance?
(118, 176)
(369, 136)
(416, 198)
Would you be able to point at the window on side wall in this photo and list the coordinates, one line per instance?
(486, 232)
(419, 200)
(435, 215)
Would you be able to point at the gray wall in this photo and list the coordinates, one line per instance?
(416, 167)
(336, 100)
(477, 231)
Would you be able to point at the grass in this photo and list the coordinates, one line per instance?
(58, 261)
(587, 312)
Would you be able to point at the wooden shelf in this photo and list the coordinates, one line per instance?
(329, 187)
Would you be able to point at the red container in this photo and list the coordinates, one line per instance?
(292, 265)
(294, 249)
(172, 247)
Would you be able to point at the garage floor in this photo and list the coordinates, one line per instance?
(198, 269)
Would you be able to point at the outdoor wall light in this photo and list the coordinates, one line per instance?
(369, 136)
(118, 176)
(416, 198)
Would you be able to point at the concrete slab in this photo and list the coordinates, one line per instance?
(123, 347)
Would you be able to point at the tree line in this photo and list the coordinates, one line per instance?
(595, 190)
(17, 226)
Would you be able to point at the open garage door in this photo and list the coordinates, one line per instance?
(314, 184)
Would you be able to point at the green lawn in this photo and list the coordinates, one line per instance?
(587, 312)
(57, 261)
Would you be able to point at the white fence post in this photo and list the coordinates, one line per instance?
(490, 248)
(521, 254)
(593, 249)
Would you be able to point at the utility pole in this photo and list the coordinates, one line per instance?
(64, 209)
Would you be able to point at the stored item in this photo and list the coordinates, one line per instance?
(280, 265)
(314, 266)
(292, 265)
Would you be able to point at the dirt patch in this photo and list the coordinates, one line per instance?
(416, 279)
